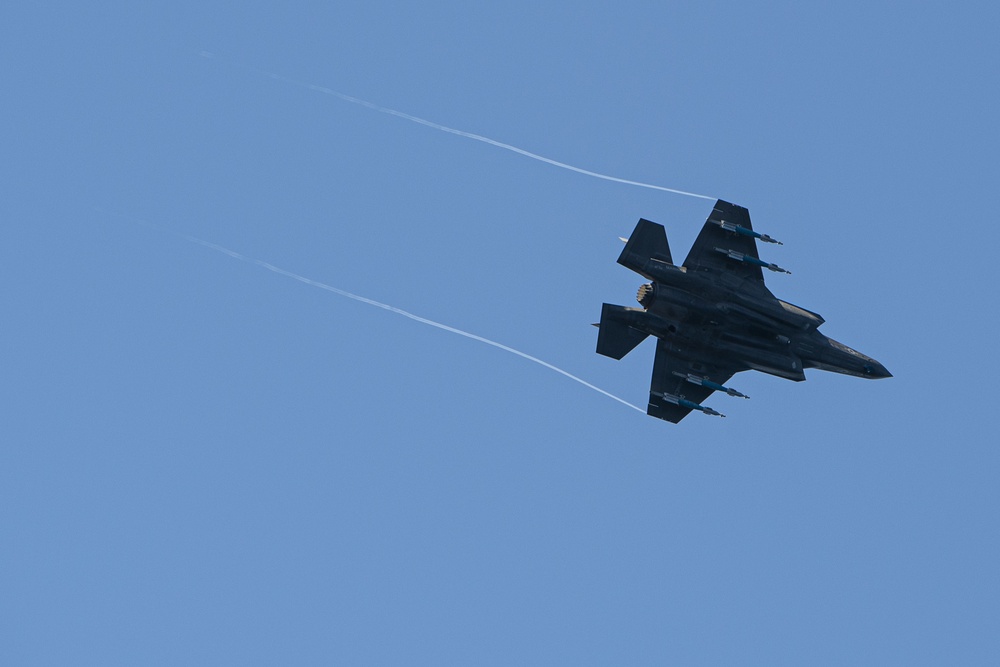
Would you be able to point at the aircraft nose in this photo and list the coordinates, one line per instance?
(876, 371)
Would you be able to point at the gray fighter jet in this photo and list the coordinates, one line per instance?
(713, 317)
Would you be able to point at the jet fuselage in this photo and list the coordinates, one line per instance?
(714, 317)
(695, 315)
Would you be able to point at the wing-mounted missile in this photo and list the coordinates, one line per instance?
(705, 382)
(743, 257)
(736, 229)
(684, 403)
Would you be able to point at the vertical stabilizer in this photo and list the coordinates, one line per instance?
(647, 244)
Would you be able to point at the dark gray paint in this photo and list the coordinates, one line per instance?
(714, 317)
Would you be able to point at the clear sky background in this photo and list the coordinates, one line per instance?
(205, 462)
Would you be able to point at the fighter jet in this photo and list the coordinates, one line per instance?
(713, 317)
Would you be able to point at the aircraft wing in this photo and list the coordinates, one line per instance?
(670, 377)
(705, 254)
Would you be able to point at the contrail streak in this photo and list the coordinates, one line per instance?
(399, 311)
(467, 135)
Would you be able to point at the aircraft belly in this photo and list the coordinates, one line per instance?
(714, 317)
(782, 363)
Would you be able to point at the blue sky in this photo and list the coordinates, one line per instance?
(205, 462)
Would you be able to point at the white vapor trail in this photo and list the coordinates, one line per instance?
(399, 311)
(467, 135)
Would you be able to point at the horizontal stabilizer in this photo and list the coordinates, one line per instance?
(648, 242)
(616, 337)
